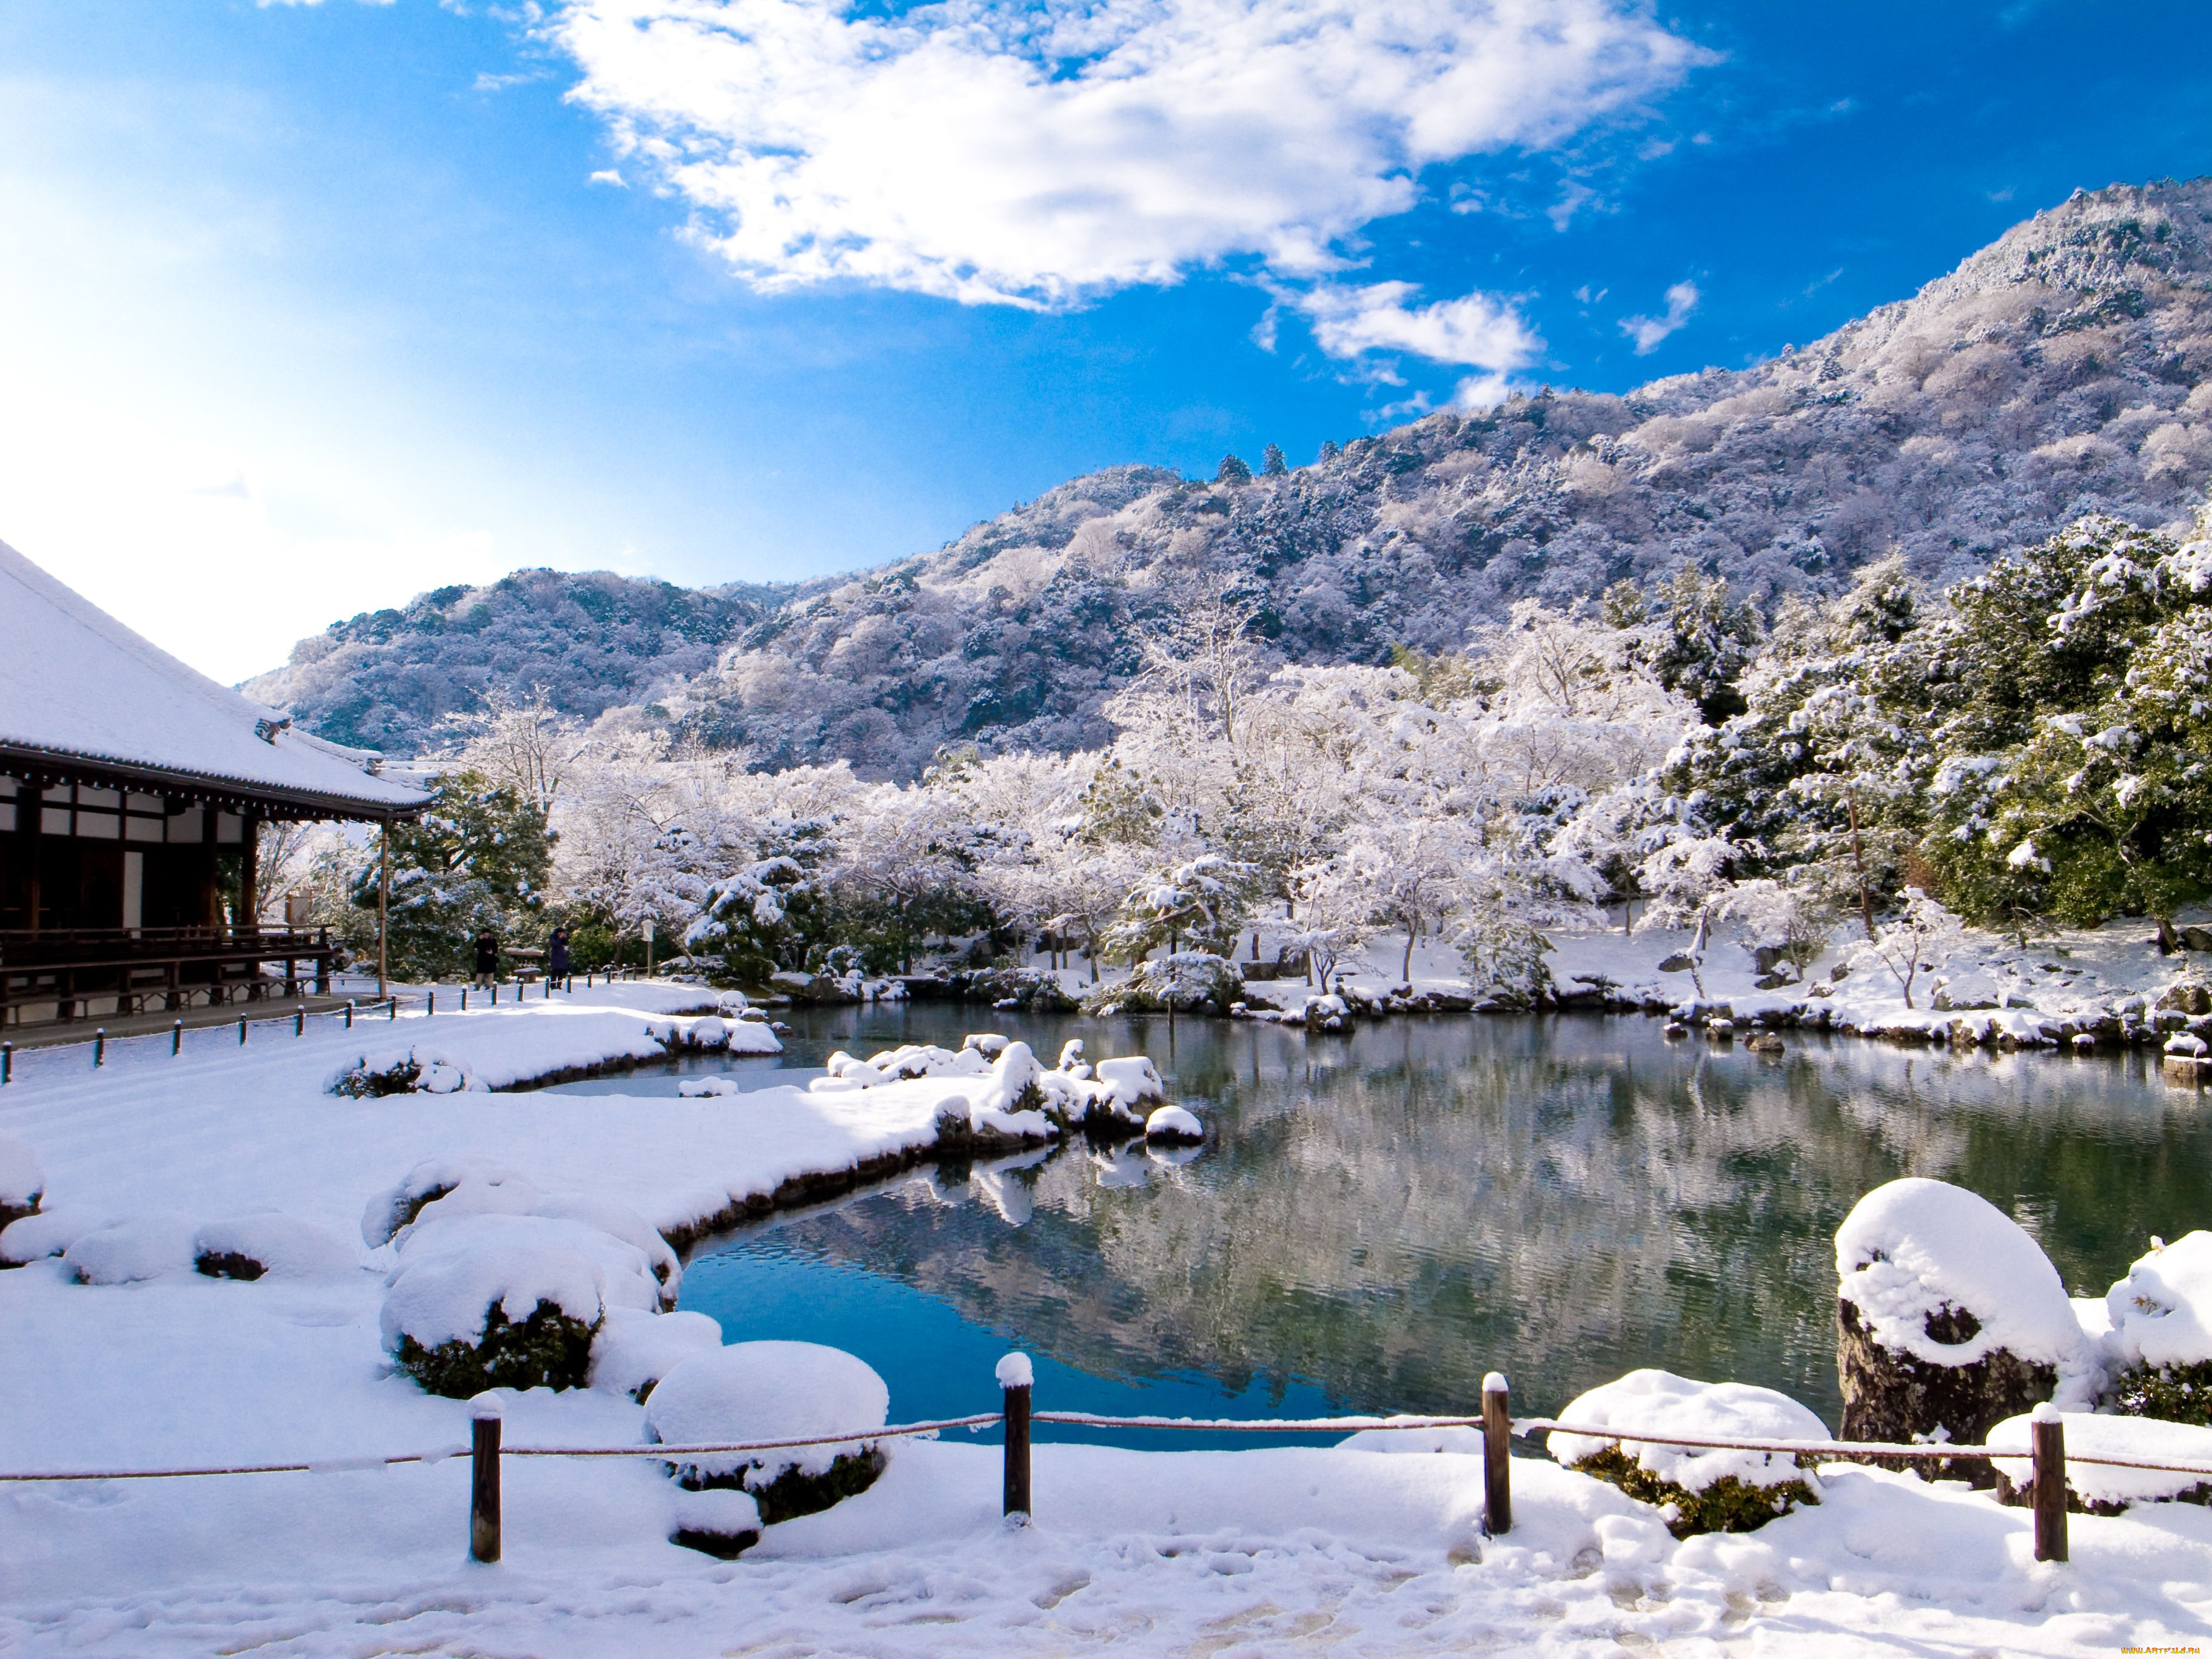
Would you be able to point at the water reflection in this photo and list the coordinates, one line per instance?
(1384, 1216)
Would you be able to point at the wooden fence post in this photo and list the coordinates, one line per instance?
(299, 1021)
(2046, 1431)
(1497, 1456)
(100, 1047)
(1015, 1378)
(242, 1030)
(7, 1059)
(176, 1039)
(484, 1483)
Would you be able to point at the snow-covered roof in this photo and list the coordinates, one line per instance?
(77, 685)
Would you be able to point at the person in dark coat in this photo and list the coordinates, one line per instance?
(557, 954)
(487, 958)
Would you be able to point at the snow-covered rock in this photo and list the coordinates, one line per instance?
(1950, 1318)
(1131, 1081)
(23, 1181)
(706, 1088)
(1174, 1123)
(636, 1349)
(1698, 1489)
(145, 1246)
(49, 1232)
(757, 1391)
(272, 1245)
(718, 1521)
(2101, 1488)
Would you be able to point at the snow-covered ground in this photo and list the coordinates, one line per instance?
(1252, 1552)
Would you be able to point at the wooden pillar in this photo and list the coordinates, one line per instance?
(249, 894)
(383, 908)
(1497, 1456)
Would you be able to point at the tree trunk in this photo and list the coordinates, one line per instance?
(2167, 944)
(1406, 967)
(1859, 860)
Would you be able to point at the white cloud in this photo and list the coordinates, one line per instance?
(1477, 331)
(988, 150)
(609, 176)
(1648, 331)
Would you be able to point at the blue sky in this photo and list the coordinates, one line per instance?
(305, 307)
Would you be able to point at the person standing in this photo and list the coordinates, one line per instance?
(556, 955)
(487, 959)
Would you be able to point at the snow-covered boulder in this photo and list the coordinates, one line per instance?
(23, 1182)
(719, 1520)
(636, 1349)
(394, 1209)
(708, 1088)
(124, 1252)
(2103, 1488)
(49, 1232)
(1327, 1013)
(1697, 1489)
(271, 1245)
(1950, 1319)
(506, 1301)
(2161, 1345)
(755, 1391)
(443, 1189)
(1174, 1124)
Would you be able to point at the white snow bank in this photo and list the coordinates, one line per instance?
(284, 1246)
(1657, 1400)
(720, 1511)
(1004, 1074)
(1173, 1123)
(766, 1391)
(21, 1181)
(2161, 1312)
(1914, 1247)
(637, 1349)
(2146, 1439)
(452, 1273)
(502, 1048)
(125, 1252)
(504, 1194)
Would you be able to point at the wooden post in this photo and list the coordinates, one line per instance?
(484, 1485)
(1497, 1456)
(176, 1039)
(299, 1021)
(1015, 1378)
(2046, 1431)
(431, 1008)
(100, 1047)
(383, 906)
(7, 1059)
(242, 1030)
(348, 1013)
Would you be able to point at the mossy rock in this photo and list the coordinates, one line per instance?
(1727, 1505)
(793, 1493)
(2178, 1394)
(229, 1264)
(550, 1349)
(1899, 1398)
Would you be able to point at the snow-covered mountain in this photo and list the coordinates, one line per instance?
(2067, 368)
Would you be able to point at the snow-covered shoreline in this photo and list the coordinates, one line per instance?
(1150, 1552)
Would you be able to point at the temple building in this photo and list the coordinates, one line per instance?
(131, 792)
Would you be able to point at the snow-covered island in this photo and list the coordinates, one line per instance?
(236, 1257)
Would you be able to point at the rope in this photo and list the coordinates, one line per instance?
(1246, 1425)
(1845, 1450)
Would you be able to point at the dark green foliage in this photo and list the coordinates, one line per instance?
(228, 1264)
(794, 1493)
(2179, 1394)
(480, 858)
(1232, 471)
(549, 1350)
(722, 1546)
(1706, 641)
(1727, 1505)
(1271, 462)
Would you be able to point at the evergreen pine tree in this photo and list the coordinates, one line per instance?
(1233, 472)
(1271, 462)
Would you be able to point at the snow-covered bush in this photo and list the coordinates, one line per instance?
(636, 1349)
(491, 1301)
(417, 1068)
(268, 1243)
(1918, 939)
(1698, 1489)
(2103, 1488)
(2161, 1334)
(753, 1391)
(717, 1522)
(34, 1237)
(442, 1189)
(1951, 1319)
(23, 1182)
(145, 1246)
(1190, 982)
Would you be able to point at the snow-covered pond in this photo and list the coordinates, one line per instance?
(1377, 1219)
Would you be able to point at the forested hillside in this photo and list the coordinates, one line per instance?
(2059, 371)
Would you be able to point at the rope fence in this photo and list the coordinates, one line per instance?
(2045, 1452)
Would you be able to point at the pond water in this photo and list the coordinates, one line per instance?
(1376, 1219)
